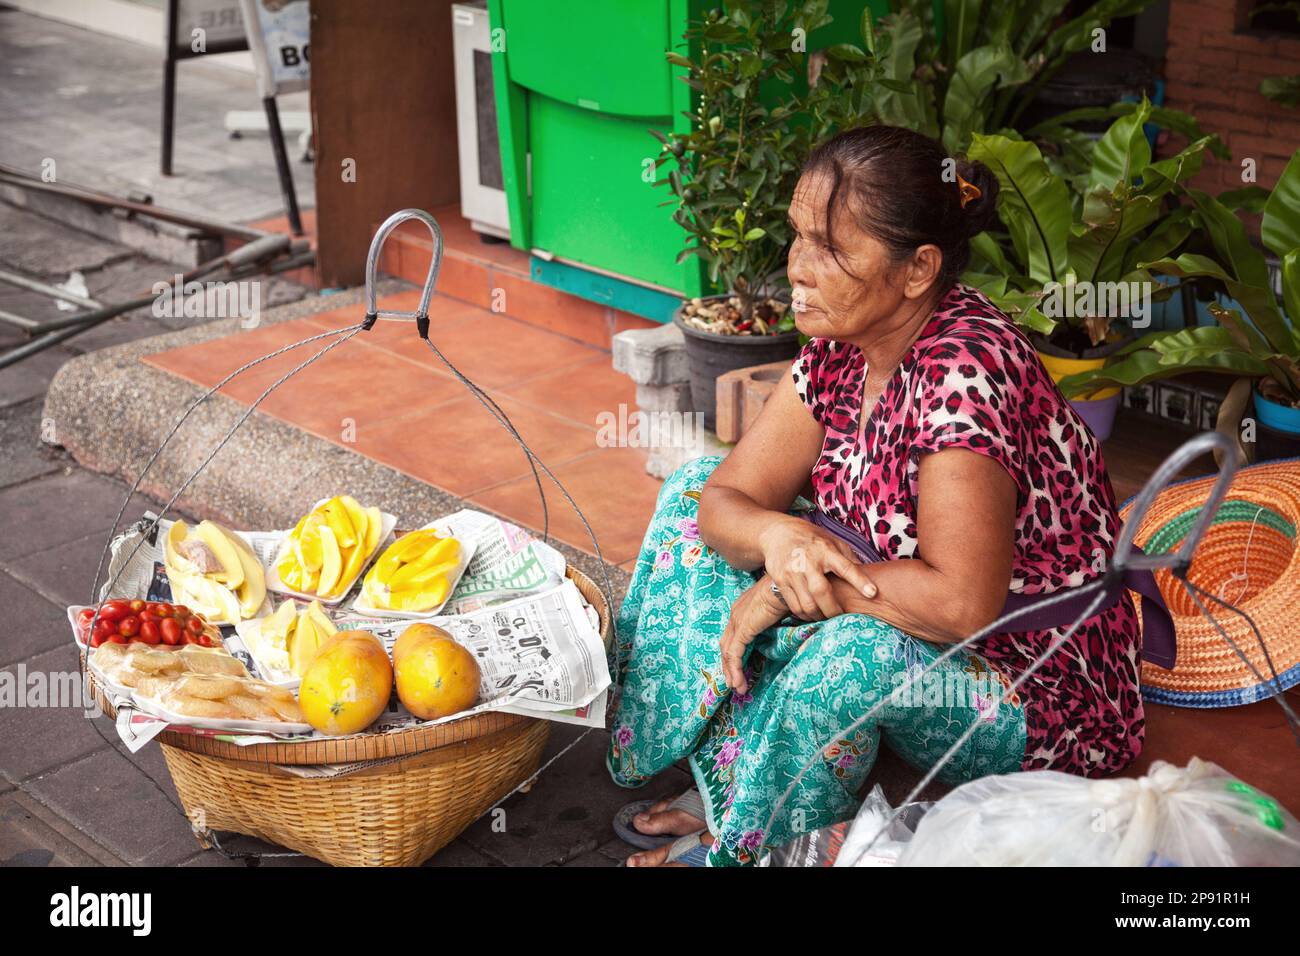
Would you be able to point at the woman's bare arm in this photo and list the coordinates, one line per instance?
(966, 518)
(755, 485)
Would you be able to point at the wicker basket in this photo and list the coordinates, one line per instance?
(411, 793)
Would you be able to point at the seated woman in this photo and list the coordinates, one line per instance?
(921, 417)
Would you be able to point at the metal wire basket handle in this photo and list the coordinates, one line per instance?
(1178, 561)
(421, 314)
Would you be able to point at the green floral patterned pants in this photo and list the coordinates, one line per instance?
(808, 682)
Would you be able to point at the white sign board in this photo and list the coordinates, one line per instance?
(200, 23)
(279, 35)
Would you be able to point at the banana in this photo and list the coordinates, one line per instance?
(237, 571)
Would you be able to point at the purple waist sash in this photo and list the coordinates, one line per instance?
(1158, 644)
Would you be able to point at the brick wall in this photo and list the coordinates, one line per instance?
(1213, 70)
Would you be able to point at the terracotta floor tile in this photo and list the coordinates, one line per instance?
(609, 485)
(348, 392)
(459, 241)
(580, 392)
(281, 223)
(206, 363)
(248, 386)
(497, 352)
(401, 338)
(461, 238)
(460, 447)
(556, 311)
(458, 277)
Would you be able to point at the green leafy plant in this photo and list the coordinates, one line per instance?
(1264, 344)
(733, 174)
(1054, 246)
(992, 62)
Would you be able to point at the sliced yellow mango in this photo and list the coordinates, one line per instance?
(356, 555)
(412, 601)
(331, 563)
(336, 516)
(304, 642)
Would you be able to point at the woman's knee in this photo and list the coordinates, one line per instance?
(689, 476)
(852, 646)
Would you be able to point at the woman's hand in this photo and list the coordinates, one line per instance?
(753, 613)
(798, 556)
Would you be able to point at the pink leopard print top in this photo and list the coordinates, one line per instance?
(972, 380)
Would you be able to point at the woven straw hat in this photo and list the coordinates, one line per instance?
(1249, 558)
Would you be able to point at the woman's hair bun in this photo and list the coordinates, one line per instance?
(982, 212)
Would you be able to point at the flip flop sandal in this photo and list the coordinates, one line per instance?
(690, 801)
(688, 850)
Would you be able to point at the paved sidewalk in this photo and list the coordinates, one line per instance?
(92, 104)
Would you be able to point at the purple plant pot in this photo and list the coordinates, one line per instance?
(1098, 414)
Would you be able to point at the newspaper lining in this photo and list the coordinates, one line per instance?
(536, 640)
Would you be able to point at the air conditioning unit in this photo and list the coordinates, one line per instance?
(482, 191)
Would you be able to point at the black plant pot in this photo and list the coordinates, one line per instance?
(711, 355)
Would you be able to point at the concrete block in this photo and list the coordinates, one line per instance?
(652, 356)
(663, 461)
(741, 395)
(664, 398)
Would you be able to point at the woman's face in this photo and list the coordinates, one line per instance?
(840, 296)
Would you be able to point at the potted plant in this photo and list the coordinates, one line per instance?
(1262, 348)
(1072, 272)
(734, 174)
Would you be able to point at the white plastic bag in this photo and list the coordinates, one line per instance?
(1198, 815)
(875, 812)
(845, 843)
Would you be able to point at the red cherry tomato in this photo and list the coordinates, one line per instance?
(149, 632)
(194, 625)
(104, 628)
(117, 639)
(114, 610)
(155, 608)
(170, 630)
(129, 626)
(96, 639)
(137, 606)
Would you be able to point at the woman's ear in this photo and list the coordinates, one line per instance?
(922, 270)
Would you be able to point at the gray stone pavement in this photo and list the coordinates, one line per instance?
(93, 103)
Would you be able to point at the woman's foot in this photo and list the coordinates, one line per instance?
(659, 856)
(663, 819)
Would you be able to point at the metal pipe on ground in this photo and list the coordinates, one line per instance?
(60, 330)
(241, 259)
(44, 288)
(14, 176)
